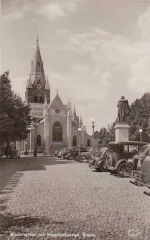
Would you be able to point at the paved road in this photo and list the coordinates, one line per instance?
(52, 199)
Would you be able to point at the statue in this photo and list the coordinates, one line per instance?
(123, 110)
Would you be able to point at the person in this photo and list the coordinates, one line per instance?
(35, 153)
(123, 110)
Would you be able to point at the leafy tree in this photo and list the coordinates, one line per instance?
(104, 136)
(14, 114)
(139, 118)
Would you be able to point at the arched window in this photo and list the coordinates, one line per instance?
(38, 140)
(41, 99)
(35, 99)
(57, 132)
(74, 141)
(88, 143)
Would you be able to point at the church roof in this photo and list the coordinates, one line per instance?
(57, 103)
(37, 70)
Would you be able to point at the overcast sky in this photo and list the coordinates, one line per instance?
(93, 51)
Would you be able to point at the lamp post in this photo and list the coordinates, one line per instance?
(79, 130)
(93, 125)
(140, 131)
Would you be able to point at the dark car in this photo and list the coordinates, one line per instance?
(120, 156)
(74, 152)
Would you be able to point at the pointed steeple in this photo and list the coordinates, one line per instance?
(29, 83)
(80, 122)
(47, 84)
(37, 70)
(74, 113)
(68, 105)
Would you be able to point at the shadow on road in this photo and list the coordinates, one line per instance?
(8, 167)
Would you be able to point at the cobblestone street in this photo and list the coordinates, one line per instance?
(51, 196)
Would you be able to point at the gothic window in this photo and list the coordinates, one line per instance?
(57, 132)
(35, 99)
(41, 99)
(74, 141)
(38, 140)
(88, 143)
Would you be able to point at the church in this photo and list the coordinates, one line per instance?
(55, 124)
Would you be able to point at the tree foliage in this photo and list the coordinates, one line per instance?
(139, 118)
(105, 135)
(14, 114)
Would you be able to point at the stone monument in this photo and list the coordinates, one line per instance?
(122, 128)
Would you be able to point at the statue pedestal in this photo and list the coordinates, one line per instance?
(122, 132)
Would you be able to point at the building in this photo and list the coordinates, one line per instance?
(56, 124)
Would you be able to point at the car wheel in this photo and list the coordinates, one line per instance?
(83, 157)
(102, 168)
(124, 170)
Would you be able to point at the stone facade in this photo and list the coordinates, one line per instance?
(56, 123)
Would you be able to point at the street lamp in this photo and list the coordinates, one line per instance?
(93, 125)
(79, 130)
(140, 131)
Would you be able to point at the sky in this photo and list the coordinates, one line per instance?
(93, 51)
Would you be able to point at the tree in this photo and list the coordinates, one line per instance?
(14, 114)
(105, 135)
(139, 118)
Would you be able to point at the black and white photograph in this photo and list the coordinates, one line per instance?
(75, 119)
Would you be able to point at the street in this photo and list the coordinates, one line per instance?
(48, 198)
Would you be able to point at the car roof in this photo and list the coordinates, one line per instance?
(129, 143)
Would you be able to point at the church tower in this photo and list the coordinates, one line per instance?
(37, 88)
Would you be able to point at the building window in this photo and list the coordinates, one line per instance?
(74, 141)
(57, 132)
(38, 140)
(41, 99)
(88, 143)
(35, 99)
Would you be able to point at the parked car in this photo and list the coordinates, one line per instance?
(99, 163)
(97, 158)
(74, 152)
(64, 152)
(58, 153)
(141, 166)
(120, 156)
(87, 154)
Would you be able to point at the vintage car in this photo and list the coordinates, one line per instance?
(141, 166)
(99, 160)
(73, 152)
(120, 157)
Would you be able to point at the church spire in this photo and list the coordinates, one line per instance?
(80, 122)
(37, 70)
(47, 84)
(74, 113)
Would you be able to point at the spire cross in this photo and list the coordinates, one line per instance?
(57, 91)
(37, 38)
